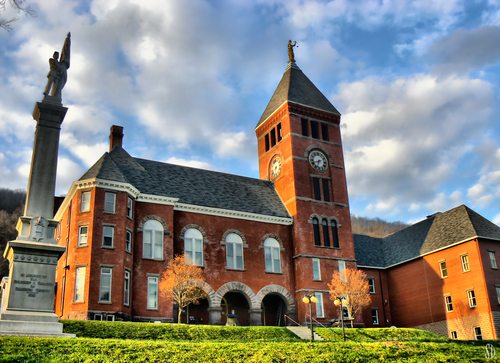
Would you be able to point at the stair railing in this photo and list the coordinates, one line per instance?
(290, 319)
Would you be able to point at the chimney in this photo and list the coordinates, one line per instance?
(115, 137)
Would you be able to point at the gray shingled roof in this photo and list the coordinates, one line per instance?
(437, 231)
(192, 186)
(296, 87)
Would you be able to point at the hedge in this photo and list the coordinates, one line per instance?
(67, 350)
(380, 334)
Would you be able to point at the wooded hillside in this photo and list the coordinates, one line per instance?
(375, 227)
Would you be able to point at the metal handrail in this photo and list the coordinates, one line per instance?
(317, 322)
(289, 318)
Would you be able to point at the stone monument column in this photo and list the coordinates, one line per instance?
(28, 293)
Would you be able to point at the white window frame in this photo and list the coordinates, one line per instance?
(152, 235)
(341, 264)
(320, 311)
(453, 334)
(371, 285)
(234, 249)
(471, 298)
(272, 255)
(152, 304)
(128, 241)
(497, 288)
(85, 201)
(83, 237)
(126, 288)
(375, 319)
(493, 259)
(105, 229)
(130, 208)
(316, 269)
(106, 273)
(109, 202)
(193, 247)
(448, 303)
(464, 259)
(478, 334)
(80, 276)
(443, 269)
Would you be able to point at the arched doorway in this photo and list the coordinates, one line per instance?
(235, 303)
(273, 310)
(198, 313)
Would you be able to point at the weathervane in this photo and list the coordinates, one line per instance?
(57, 76)
(291, 56)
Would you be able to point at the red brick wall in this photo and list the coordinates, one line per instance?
(380, 300)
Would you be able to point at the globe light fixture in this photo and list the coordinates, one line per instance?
(310, 300)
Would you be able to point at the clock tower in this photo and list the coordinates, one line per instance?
(300, 150)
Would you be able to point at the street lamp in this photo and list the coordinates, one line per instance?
(310, 299)
(340, 302)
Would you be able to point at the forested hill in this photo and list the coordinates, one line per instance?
(375, 227)
(10, 200)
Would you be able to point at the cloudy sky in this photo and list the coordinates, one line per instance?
(417, 83)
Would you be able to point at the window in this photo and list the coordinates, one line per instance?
(342, 269)
(273, 137)
(324, 132)
(321, 189)
(326, 189)
(371, 285)
(493, 259)
(448, 303)
(152, 240)
(314, 130)
(444, 270)
(335, 233)
(465, 263)
(126, 288)
(109, 202)
(453, 334)
(471, 297)
(316, 269)
(130, 211)
(497, 287)
(320, 313)
(105, 286)
(375, 317)
(193, 246)
(477, 333)
(152, 293)
(326, 235)
(317, 188)
(80, 284)
(85, 202)
(272, 255)
(305, 126)
(278, 131)
(108, 233)
(266, 138)
(317, 238)
(128, 241)
(234, 251)
(82, 235)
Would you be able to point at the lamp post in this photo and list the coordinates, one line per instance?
(340, 302)
(310, 299)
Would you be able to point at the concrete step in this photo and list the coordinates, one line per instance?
(303, 332)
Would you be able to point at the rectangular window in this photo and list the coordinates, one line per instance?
(130, 211)
(465, 263)
(273, 137)
(126, 288)
(453, 334)
(316, 269)
(471, 297)
(444, 270)
(83, 232)
(375, 316)
(448, 303)
(320, 312)
(109, 202)
(477, 333)
(342, 269)
(80, 284)
(371, 285)
(152, 292)
(316, 188)
(108, 233)
(314, 129)
(128, 241)
(105, 286)
(85, 202)
(279, 132)
(193, 250)
(326, 189)
(324, 132)
(493, 259)
(305, 128)
(266, 139)
(497, 287)
(234, 255)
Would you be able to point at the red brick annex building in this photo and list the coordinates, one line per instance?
(265, 243)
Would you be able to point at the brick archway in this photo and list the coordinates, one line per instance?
(211, 295)
(237, 287)
(276, 289)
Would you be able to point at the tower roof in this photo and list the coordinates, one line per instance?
(297, 88)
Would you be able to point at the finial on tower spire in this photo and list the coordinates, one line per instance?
(291, 56)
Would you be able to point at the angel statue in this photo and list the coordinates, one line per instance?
(56, 78)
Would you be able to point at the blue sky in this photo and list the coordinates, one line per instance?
(416, 83)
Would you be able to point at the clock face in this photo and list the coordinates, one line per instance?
(275, 167)
(318, 160)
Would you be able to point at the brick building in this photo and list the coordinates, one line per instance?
(263, 243)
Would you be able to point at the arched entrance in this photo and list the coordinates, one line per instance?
(198, 313)
(235, 303)
(273, 310)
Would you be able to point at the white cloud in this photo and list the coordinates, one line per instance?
(67, 169)
(191, 163)
(496, 219)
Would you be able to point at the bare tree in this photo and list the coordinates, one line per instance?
(182, 282)
(13, 6)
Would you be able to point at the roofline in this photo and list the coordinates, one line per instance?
(372, 267)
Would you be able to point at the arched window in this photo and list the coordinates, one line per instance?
(317, 238)
(234, 251)
(152, 240)
(193, 246)
(326, 235)
(272, 255)
(335, 234)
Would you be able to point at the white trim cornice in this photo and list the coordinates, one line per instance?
(157, 199)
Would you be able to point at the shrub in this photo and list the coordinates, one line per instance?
(380, 334)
